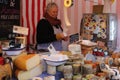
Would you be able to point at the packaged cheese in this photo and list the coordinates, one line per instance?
(26, 75)
(27, 62)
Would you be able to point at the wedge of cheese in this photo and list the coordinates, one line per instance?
(26, 75)
(27, 62)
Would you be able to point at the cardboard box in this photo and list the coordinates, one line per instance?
(98, 8)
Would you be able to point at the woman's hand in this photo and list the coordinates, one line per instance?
(61, 36)
(66, 38)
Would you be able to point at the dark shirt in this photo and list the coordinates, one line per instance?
(45, 32)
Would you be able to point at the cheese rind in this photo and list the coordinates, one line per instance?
(27, 62)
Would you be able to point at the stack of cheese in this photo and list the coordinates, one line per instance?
(28, 66)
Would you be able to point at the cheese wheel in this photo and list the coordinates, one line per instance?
(51, 69)
(26, 75)
(49, 78)
(76, 68)
(27, 62)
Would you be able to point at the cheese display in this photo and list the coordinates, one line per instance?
(26, 75)
(27, 62)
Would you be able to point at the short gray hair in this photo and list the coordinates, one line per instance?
(50, 5)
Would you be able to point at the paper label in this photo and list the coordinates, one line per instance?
(20, 30)
(52, 49)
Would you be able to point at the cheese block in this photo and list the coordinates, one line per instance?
(26, 75)
(27, 62)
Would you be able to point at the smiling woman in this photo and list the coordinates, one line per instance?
(49, 30)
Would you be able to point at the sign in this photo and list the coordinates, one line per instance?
(20, 30)
(9, 16)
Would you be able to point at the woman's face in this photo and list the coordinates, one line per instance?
(53, 11)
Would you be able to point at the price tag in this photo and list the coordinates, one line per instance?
(52, 49)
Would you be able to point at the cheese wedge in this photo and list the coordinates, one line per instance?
(27, 62)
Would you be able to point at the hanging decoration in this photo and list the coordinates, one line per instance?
(68, 3)
(66, 17)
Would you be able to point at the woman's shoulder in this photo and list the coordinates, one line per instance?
(43, 20)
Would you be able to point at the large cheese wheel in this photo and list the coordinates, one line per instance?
(26, 75)
(27, 62)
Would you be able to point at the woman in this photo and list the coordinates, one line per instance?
(49, 30)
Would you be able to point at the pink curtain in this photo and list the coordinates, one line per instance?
(32, 12)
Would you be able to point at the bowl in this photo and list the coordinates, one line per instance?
(55, 63)
(13, 51)
(56, 59)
